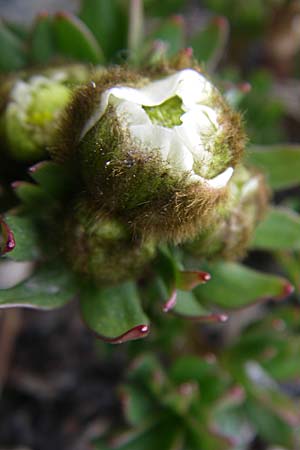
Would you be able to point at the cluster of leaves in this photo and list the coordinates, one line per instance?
(193, 403)
(216, 401)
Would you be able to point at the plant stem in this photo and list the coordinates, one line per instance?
(136, 29)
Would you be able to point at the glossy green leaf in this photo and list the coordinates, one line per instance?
(281, 163)
(48, 288)
(12, 54)
(108, 22)
(114, 313)
(279, 230)
(75, 40)
(25, 238)
(235, 286)
(42, 43)
(210, 41)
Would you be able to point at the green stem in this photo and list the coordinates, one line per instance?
(136, 29)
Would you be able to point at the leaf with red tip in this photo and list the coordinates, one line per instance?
(7, 239)
(20, 238)
(189, 279)
(49, 288)
(235, 286)
(114, 313)
(75, 40)
(210, 41)
(281, 163)
(186, 305)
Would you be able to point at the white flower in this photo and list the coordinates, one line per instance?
(187, 146)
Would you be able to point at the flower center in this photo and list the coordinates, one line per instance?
(168, 114)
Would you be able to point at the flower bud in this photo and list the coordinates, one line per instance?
(236, 220)
(158, 152)
(31, 115)
(102, 248)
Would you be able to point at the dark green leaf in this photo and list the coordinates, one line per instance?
(42, 44)
(279, 230)
(12, 54)
(234, 286)
(75, 40)
(108, 21)
(115, 313)
(49, 288)
(159, 433)
(281, 164)
(31, 195)
(209, 42)
(55, 179)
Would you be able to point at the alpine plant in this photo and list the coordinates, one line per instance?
(140, 167)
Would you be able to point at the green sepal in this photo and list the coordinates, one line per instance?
(74, 39)
(114, 313)
(281, 163)
(279, 230)
(236, 286)
(50, 287)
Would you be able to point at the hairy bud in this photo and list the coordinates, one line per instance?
(236, 220)
(158, 152)
(102, 248)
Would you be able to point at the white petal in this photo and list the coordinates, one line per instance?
(154, 137)
(132, 114)
(188, 84)
(221, 180)
(179, 156)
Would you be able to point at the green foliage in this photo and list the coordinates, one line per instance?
(202, 396)
(114, 313)
(50, 287)
(281, 163)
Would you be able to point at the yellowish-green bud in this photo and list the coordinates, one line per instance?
(102, 248)
(236, 220)
(32, 114)
(158, 152)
